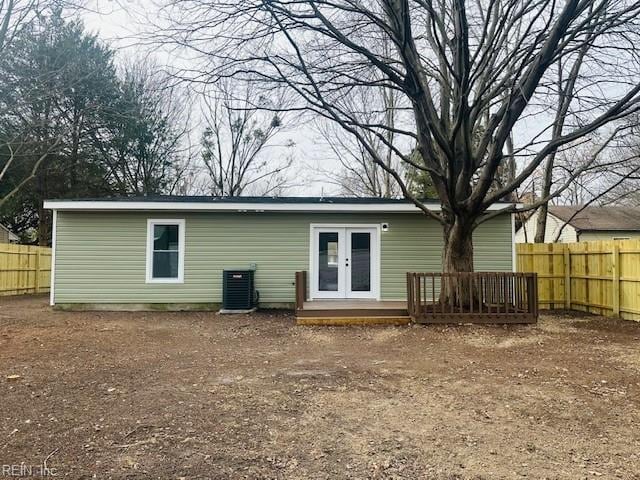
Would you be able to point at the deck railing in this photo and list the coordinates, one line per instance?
(476, 297)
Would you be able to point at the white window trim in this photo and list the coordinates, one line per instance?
(151, 222)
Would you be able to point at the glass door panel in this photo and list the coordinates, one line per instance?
(328, 262)
(360, 261)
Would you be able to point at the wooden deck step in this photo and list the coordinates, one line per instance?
(353, 320)
(353, 312)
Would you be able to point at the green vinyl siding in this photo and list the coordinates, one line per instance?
(101, 257)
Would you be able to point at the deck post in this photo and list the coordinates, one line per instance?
(409, 295)
(301, 289)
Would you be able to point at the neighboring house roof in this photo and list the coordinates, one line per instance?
(210, 203)
(598, 218)
(12, 236)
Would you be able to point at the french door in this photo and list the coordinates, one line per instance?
(344, 262)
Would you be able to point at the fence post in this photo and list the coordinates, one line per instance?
(37, 270)
(567, 277)
(615, 277)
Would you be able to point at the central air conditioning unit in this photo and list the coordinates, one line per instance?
(238, 291)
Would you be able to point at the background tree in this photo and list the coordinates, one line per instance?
(15, 17)
(143, 144)
(61, 99)
(56, 84)
(567, 71)
(240, 127)
(611, 178)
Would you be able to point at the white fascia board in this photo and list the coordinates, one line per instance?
(80, 205)
(54, 235)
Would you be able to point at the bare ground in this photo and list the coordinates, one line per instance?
(198, 395)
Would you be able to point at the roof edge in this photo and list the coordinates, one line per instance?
(242, 206)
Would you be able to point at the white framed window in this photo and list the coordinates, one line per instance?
(165, 250)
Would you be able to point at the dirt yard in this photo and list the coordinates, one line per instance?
(197, 395)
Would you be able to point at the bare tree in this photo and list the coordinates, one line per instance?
(567, 71)
(476, 74)
(633, 174)
(611, 177)
(145, 145)
(15, 15)
(237, 139)
(358, 174)
(611, 180)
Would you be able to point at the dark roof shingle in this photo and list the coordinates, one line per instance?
(283, 200)
(598, 218)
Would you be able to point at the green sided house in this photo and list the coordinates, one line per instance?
(170, 252)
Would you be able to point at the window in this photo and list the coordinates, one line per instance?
(165, 251)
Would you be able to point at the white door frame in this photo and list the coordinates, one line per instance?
(344, 275)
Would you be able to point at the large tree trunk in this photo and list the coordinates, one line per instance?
(458, 248)
(457, 257)
(45, 219)
(45, 227)
(547, 183)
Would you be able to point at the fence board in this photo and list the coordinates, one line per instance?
(24, 269)
(601, 277)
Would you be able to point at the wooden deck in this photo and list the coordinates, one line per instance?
(346, 312)
(490, 297)
(353, 312)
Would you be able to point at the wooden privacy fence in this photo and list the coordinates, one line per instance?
(24, 269)
(482, 297)
(601, 277)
